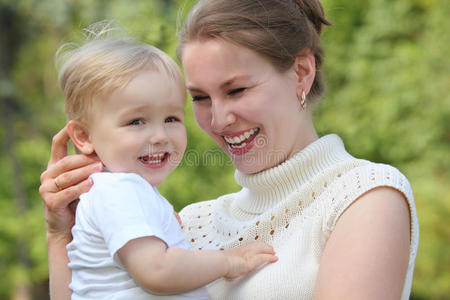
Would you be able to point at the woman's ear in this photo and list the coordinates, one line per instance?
(80, 136)
(305, 68)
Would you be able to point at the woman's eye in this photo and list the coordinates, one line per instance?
(170, 119)
(199, 98)
(236, 91)
(137, 122)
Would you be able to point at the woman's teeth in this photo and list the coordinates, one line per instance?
(237, 142)
(239, 146)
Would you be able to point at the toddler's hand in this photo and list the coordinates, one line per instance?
(244, 259)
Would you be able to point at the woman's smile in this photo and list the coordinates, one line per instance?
(241, 142)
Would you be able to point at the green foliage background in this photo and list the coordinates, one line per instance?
(387, 68)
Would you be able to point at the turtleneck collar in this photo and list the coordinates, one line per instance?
(263, 190)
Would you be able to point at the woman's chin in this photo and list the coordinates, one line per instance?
(248, 167)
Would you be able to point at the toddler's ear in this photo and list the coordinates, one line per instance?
(80, 136)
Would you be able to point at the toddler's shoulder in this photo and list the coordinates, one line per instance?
(107, 182)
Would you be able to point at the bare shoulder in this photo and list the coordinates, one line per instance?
(382, 204)
(367, 254)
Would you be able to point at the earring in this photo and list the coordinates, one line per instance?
(303, 101)
(302, 98)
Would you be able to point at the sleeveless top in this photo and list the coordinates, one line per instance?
(294, 207)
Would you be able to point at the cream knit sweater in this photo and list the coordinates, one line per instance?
(294, 207)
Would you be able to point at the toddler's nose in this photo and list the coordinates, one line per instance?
(158, 136)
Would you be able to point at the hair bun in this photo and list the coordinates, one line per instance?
(314, 11)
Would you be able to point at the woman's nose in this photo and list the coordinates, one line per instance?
(222, 115)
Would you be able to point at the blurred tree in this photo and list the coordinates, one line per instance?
(388, 98)
(11, 39)
(388, 68)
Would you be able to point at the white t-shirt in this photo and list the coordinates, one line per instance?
(118, 208)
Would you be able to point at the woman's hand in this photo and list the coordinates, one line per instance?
(65, 179)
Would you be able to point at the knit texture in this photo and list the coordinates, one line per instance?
(294, 207)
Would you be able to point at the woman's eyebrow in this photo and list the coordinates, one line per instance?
(233, 80)
(223, 86)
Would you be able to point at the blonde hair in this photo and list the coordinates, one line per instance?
(104, 64)
(279, 30)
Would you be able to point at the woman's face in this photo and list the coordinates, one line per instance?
(246, 105)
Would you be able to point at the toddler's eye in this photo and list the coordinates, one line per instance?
(170, 120)
(137, 122)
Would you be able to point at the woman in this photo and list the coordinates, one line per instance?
(342, 227)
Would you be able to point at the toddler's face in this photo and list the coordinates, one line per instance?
(140, 129)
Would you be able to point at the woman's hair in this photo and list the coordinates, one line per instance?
(279, 30)
(104, 64)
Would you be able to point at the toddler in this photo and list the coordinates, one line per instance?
(125, 103)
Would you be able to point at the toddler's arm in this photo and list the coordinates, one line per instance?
(172, 270)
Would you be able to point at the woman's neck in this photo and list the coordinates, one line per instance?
(267, 188)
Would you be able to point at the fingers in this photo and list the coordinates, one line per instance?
(78, 174)
(59, 146)
(59, 200)
(65, 179)
(264, 253)
(246, 258)
(262, 258)
(70, 185)
(260, 247)
(72, 169)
